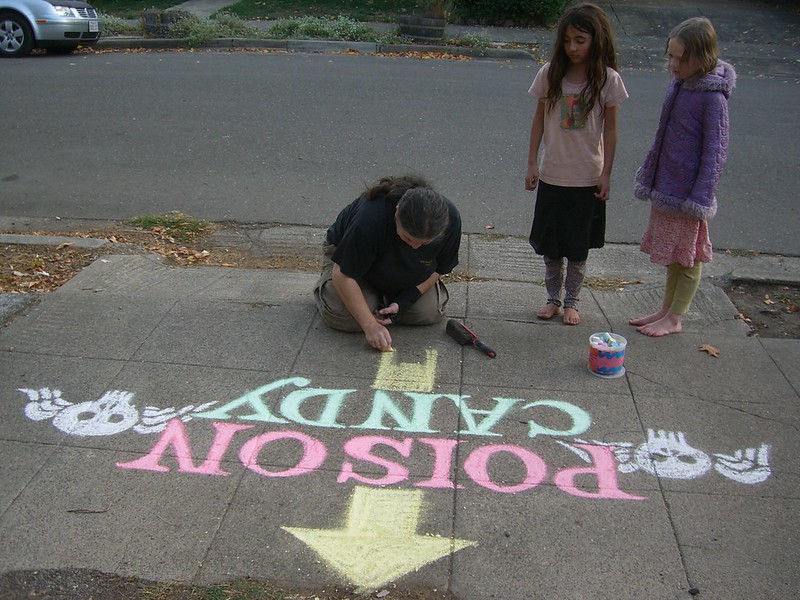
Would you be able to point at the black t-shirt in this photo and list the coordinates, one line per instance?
(368, 247)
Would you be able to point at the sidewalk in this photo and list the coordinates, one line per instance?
(202, 425)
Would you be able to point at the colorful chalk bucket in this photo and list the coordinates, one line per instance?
(607, 355)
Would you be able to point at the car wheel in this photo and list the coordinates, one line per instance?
(16, 37)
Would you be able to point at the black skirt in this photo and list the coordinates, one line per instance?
(567, 221)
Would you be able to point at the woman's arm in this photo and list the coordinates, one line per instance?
(353, 299)
(408, 297)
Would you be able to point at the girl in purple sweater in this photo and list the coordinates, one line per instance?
(681, 171)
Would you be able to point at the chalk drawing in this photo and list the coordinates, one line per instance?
(581, 420)
(255, 406)
(379, 542)
(603, 469)
(314, 453)
(174, 437)
(108, 415)
(406, 376)
(599, 479)
(667, 454)
(750, 465)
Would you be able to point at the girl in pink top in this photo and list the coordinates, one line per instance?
(575, 127)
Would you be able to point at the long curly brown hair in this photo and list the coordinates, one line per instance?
(392, 187)
(422, 211)
(591, 19)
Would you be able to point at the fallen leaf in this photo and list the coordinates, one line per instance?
(768, 300)
(709, 349)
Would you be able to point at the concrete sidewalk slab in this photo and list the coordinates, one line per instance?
(201, 424)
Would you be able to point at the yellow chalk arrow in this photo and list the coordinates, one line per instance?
(406, 376)
(379, 542)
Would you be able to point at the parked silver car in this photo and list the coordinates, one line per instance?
(58, 25)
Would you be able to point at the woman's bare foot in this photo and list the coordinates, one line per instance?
(667, 324)
(571, 317)
(650, 318)
(549, 311)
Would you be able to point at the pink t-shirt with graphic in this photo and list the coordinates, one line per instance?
(572, 144)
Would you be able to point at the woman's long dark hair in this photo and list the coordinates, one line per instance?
(590, 19)
(424, 214)
(421, 211)
(393, 187)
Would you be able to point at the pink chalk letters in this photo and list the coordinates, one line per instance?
(362, 454)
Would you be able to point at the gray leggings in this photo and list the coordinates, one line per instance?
(554, 281)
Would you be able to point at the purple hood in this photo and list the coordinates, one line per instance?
(682, 168)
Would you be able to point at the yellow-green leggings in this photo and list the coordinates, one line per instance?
(682, 284)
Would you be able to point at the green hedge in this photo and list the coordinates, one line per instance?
(500, 12)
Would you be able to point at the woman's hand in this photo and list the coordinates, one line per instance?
(387, 315)
(378, 337)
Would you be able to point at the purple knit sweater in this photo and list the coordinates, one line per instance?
(682, 168)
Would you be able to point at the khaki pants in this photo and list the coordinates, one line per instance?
(429, 309)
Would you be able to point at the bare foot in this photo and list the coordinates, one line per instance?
(650, 318)
(664, 326)
(571, 317)
(549, 311)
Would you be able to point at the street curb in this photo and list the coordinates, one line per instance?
(739, 274)
(745, 275)
(51, 240)
(309, 45)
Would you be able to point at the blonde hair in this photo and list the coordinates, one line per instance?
(699, 41)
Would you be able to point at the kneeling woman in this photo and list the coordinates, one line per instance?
(383, 259)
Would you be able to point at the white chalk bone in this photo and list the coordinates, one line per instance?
(750, 465)
(44, 403)
(155, 419)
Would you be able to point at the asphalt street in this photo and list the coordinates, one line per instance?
(201, 424)
(288, 137)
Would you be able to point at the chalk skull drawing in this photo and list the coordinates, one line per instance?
(112, 413)
(108, 415)
(667, 454)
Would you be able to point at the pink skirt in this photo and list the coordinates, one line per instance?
(672, 238)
